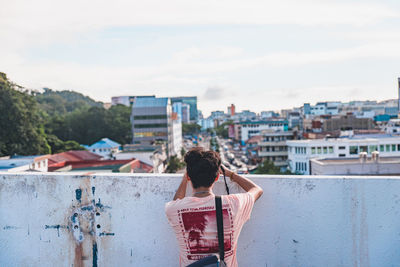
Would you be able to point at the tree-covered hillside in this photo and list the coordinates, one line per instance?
(61, 102)
(55, 121)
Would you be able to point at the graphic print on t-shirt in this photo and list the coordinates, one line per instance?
(199, 227)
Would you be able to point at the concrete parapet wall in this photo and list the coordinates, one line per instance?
(118, 220)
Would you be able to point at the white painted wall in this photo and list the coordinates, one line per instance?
(299, 221)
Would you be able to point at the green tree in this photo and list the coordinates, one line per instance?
(174, 165)
(222, 130)
(58, 146)
(21, 124)
(267, 167)
(190, 128)
(183, 151)
(62, 102)
(119, 124)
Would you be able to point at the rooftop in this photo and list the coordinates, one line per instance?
(355, 138)
(150, 102)
(6, 164)
(264, 122)
(369, 160)
(77, 155)
(104, 143)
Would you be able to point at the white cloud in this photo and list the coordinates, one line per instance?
(185, 72)
(49, 20)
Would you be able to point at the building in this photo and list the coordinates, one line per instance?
(347, 122)
(176, 139)
(24, 163)
(182, 110)
(104, 147)
(268, 114)
(125, 100)
(246, 129)
(87, 162)
(186, 113)
(392, 127)
(300, 152)
(295, 120)
(191, 101)
(151, 121)
(61, 160)
(218, 114)
(206, 123)
(231, 110)
(273, 147)
(252, 149)
(363, 165)
(153, 155)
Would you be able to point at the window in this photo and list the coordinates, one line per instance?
(330, 149)
(342, 147)
(363, 148)
(318, 150)
(313, 150)
(150, 117)
(149, 134)
(381, 148)
(393, 148)
(398, 147)
(151, 125)
(325, 150)
(353, 150)
(342, 155)
(387, 148)
(372, 149)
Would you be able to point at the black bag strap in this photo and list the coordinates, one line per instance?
(220, 227)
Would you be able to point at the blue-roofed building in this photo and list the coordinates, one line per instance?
(105, 148)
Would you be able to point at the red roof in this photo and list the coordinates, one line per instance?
(78, 155)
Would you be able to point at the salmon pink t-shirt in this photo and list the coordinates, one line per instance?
(195, 225)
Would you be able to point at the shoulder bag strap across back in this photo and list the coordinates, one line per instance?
(220, 227)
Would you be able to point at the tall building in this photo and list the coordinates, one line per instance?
(191, 101)
(186, 113)
(152, 121)
(231, 110)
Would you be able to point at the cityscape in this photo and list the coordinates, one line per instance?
(324, 138)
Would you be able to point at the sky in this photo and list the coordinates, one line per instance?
(259, 55)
